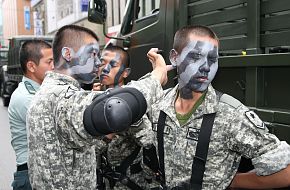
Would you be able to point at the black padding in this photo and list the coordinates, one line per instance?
(114, 111)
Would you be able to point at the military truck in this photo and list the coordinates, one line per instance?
(14, 72)
(254, 64)
(3, 61)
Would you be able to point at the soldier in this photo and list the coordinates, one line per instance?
(123, 156)
(202, 133)
(66, 124)
(35, 60)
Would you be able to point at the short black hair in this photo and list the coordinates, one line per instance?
(30, 50)
(122, 51)
(70, 36)
(181, 36)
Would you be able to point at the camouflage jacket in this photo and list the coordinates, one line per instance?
(61, 152)
(236, 132)
(123, 145)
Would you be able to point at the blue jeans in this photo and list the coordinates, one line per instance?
(21, 181)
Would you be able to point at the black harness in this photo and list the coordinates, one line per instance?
(199, 160)
(118, 173)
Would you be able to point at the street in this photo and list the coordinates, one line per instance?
(7, 160)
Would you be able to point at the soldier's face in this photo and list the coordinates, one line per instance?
(85, 62)
(113, 70)
(197, 63)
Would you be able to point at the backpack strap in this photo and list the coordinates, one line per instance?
(160, 140)
(199, 160)
(118, 174)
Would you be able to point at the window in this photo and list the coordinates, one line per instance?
(148, 7)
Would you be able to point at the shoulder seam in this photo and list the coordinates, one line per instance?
(231, 101)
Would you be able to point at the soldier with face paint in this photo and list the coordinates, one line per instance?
(115, 62)
(66, 124)
(180, 118)
(114, 68)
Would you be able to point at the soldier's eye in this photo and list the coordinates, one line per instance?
(194, 56)
(212, 59)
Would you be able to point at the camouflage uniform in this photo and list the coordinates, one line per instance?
(61, 152)
(236, 132)
(122, 146)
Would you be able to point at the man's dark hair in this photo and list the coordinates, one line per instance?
(182, 35)
(31, 51)
(70, 36)
(122, 51)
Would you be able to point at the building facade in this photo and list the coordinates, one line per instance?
(45, 17)
(17, 18)
(60, 13)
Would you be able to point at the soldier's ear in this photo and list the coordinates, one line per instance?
(127, 72)
(173, 57)
(31, 66)
(66, 53)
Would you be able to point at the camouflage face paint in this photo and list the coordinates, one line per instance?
(85, 63)
(196, 67)
(112, 64)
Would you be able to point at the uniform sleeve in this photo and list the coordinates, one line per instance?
(143, 132)
(149, 87)
(24, 108)
(250, 137)
(70, 110)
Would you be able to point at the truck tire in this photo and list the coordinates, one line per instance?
(8, 89)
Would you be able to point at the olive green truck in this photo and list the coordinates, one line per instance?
(254, 64)
(14, 73)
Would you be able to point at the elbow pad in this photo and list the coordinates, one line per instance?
(114, 111)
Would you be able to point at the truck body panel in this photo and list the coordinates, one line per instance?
(254, 62)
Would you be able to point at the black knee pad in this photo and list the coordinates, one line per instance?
(114, 111)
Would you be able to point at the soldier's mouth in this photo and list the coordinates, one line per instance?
(202, 78)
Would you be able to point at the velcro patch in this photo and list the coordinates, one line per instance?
(254, 118)
(192, 133)
(167, 129)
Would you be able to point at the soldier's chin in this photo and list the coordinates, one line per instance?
(201, 89)
(105, 82)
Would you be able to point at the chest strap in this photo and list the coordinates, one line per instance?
(118, 173)
(199, 161)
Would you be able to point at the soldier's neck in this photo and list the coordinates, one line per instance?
(183, 106)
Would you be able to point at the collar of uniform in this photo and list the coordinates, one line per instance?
(167, 103)
(52, 77)
(209, 105)
(34, 84)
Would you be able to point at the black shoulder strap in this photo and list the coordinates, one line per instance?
(160, 140)
(128, 161)
(199, 161)
(198, 166)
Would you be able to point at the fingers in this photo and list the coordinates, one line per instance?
(169, 67)
(111, 136)
(97, 86)
(152, 55)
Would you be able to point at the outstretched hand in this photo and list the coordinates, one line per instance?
(159, 66)
(97, 86)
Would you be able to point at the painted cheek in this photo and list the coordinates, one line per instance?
(213, 70)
